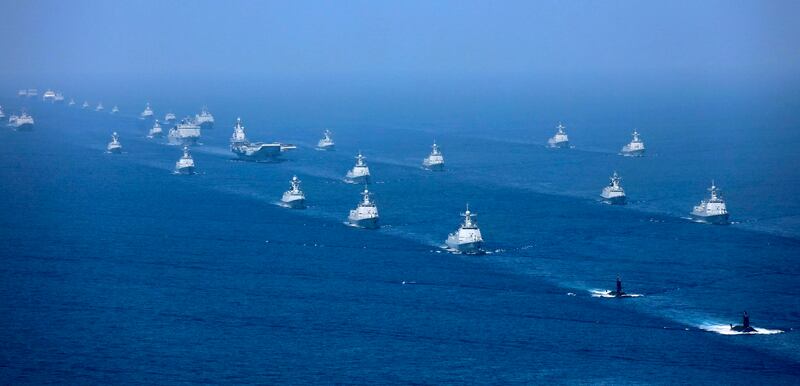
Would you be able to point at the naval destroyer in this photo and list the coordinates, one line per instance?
(205, 120)
(114, 109)
(59, 98)
(360, 172)
(294, 197)
(114, 146)
(613, 193)
(435, 160)
(635, 148)
(71, 102)
(467, 238)
(185, 164)
(326, 143)
(23, 122)
(560, 140)
(147, 113)
(713, 210)
(252, 151)
(184, 133)
(156, 131)
(85, 105)
(366, 214)
(99, 107)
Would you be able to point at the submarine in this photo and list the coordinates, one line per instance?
(745, 327)
(619, 293)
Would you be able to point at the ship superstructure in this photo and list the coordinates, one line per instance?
(185, 164)
(49, 96)
(635, 148)
(147, 113)
(467, 238)
(326, 143)
(156, 131)
(294, 197)
(613, 193)
(114, 146)
(22, 122)
(205, 120)
(713, 210)
(560, 140)
(252, 151)
(360, 171)
(186, 132)
(365, 215)
(435, 160)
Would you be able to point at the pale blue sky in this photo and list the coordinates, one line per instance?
(740, 40)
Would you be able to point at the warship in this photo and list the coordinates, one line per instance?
(326, 143)
(745, 327)
(156, 131)
(147, 113)
(23, 122)
(713, 210)
(252, 151)
(184, 133)
(185, 164)
(366, 214)
(114, 146)
(360, 172)
(613, 193)
(560, 140)
(49, 96)
(294, 197)
(467, 238)
(435, 160)
(205, 120)
(635, 148)
(618, 292)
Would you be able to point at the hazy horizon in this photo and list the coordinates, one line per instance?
(745, 42)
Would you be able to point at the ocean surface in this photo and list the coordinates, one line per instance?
(115, 270)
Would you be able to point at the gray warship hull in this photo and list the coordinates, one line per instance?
(719, 219)
(474, 248)
(619, 200)
(368, 223)
(24, 127)
(295, 204)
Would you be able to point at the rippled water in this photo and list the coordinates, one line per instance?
(116, 270)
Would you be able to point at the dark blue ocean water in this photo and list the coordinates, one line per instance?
(114, 270)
